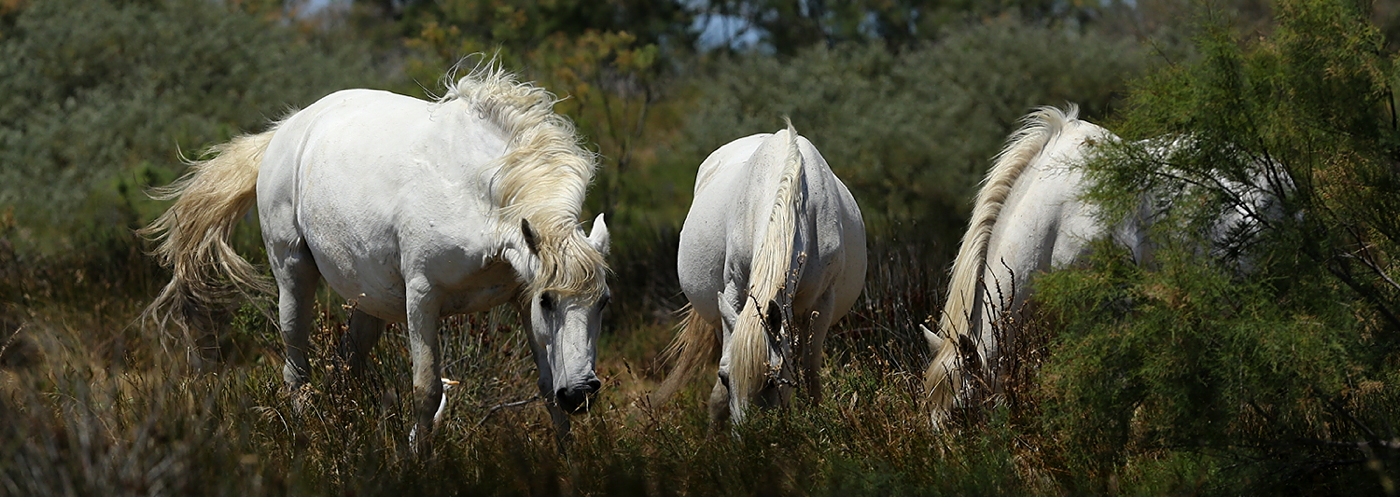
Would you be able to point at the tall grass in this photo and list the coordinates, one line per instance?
(97, 418)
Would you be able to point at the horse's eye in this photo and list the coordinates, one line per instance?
(603, 302)
(547, 301)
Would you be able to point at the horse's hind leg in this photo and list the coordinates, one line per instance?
(297, 276)
(359, 340)
(812, 357)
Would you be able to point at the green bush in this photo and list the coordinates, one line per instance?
(99, 98)
(912, 133)
(1252, 363)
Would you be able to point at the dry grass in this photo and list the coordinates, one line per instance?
(112, 411)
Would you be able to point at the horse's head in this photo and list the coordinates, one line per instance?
(755, 367)
(565, 320)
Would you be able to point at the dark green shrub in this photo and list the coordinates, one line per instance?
(99, 98)
(1249, 363)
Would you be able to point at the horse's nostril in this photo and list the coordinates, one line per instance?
(572, 399)
(593, 385)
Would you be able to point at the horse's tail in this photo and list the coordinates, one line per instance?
(696, 345)
(770, 272)
(193, 235)
(942, 379)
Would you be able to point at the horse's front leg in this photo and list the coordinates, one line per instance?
(423, 307)
(556, 413)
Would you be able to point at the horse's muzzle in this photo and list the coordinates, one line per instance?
(575, 399)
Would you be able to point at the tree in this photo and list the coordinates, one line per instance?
(788, 26)
(1274, 365)
(911, 133)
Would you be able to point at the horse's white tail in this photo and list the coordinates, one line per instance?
(193, 235)
(696, 345)
(942, 379)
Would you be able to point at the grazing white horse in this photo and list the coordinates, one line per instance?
(771, 254)
(413, 210)
(1029, 217)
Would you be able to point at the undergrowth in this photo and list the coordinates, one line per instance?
(96, 418)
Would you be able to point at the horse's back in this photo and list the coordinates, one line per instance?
(725, 158)
(370, 180)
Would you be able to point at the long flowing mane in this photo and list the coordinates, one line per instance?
(965, 288)
(542, 177)
(770, 272)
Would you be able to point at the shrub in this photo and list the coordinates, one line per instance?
(1264, 361)
(911, 133)
(99, 99)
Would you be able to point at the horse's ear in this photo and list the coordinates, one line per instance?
(726, 310)
(529, 235)
(774, 320)
(934, 342)
(599, 238)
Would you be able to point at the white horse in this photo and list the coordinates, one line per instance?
(1030, 216)
(413, 210)
(771, 254)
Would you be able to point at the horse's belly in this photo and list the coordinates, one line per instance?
(373, 281)
(376, 288)
(700, 265)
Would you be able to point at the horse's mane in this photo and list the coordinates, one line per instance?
(965, 286)
(542, 176)
(770, 271)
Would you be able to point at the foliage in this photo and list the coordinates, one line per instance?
(1269, 350)
(912, 134)
(1186, 375)
(99, 97)
(115, 416)
(787, 27)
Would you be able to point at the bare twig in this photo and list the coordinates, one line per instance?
(498, 407)
(10, 340)
(1367, 259)
(1370, 434)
